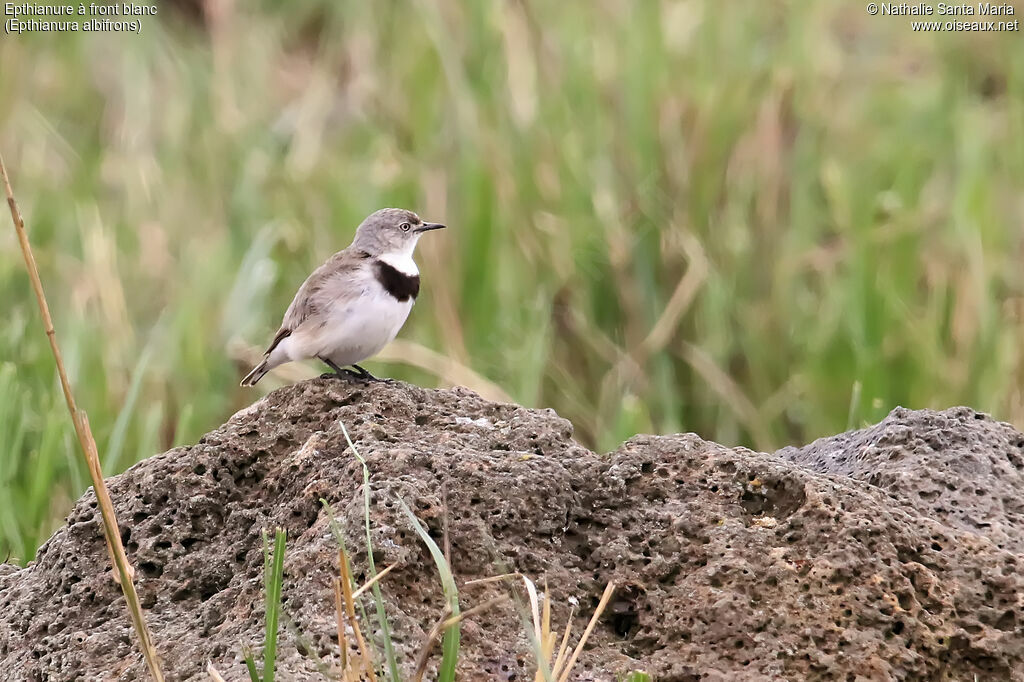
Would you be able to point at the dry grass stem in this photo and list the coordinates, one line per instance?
(545, 638)
(212, 672)
(339, 607)
(563, 648)
(543, 635)
(491, 579)
(444, 525)
(350, 610)
(682, 298)
(731, 394)
(605, 598)
(667, 324)
(455, 620)
(447, 620)
(373, 581)
(428, 643)
(122, 568)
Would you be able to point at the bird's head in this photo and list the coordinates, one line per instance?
(391, 231)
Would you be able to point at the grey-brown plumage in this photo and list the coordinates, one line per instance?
(355, 303)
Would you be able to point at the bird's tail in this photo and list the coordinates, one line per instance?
(256, 374)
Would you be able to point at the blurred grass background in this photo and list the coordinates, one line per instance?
(763, 222)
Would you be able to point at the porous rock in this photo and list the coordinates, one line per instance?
(849, 559)
(959, 467)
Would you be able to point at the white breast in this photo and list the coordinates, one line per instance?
(363, 327)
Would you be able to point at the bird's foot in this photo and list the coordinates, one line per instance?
(338, 373)
(364, 376)
(344, 375)
(357, 374)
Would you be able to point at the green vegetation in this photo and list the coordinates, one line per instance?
(450, 644)
(273, 581)
(273, 571)
(365, 662)
(754, 221)
(636, 676)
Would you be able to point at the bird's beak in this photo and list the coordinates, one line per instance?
(426, 227)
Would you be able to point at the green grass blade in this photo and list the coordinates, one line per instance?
(334, 525)
(851, 417)
(450, 645)
(274, 566)
(250, 664)
(637, 676)
(115, 446)
(378, 596)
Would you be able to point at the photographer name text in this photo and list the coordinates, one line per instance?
(941, 10)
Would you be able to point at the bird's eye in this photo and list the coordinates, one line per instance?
(405, 227)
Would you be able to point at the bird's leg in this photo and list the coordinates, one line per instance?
(366, 376)
(338, 371)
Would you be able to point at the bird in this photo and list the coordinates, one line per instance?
(356, 302)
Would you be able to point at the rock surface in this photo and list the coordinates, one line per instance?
(890, 553)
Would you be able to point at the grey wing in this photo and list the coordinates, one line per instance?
(304, 305)
(325, 286)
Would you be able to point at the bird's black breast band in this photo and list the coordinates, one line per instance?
(398, 284)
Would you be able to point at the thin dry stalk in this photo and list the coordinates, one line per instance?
(549, 637)
(731, 393)
(342, 640)
(454, 620)
(444, 525)
(122, 569)
(339, 607)
(545, 638)
(350, 610)
(542, 633)
(682, 297)
(492, 579)
(212, 672)
(668, 323)
(605, 598)
(443, 623)
(372, 581)
(542, 628)
(428, 643)
(563, 649)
